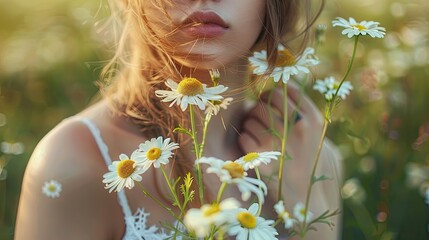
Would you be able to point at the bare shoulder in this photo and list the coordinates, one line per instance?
(69, 144)
(69, 155)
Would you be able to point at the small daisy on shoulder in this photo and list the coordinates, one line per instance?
(354, 28)
(52, 189)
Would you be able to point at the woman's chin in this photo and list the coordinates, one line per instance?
(205, 61)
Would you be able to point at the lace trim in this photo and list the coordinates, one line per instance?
(137, 228)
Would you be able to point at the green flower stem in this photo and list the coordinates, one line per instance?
(172, 190)
(313, 172)
(284, 138)
(197, 155)
(206, 124)
(158, 201)
(349, 68)
(258, 175)
(279, 220)
(328, 115)
(220, 192)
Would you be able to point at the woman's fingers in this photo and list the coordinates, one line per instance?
(275, 102)
(306, 105)
(256, 136)
(262, 128)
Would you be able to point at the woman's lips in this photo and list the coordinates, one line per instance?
(204, 24)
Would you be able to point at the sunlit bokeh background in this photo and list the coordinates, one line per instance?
(51, 53)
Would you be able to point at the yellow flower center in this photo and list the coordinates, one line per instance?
(251, 156)
(336, 85)
(212, 209)
(153, 154)
(234, 169)
(52, 188)
(302, 211)
(190, 87)
(359, 27)
(284, 213)
(125, 168)
(246, 220)
(285, 58)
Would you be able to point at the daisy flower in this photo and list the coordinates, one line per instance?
(214, 107)
(52, 189)
(190, 91)
(233, 172)
(353, 28)
(156, 151)
(123, 173)
(299, 212)
(201, 220)
(287, 64)
(254, 159)
(249, 226)
(283, 214)
(328, 87)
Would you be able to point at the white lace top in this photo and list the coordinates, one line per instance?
(135, 224)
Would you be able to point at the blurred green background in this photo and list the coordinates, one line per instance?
(51, 53)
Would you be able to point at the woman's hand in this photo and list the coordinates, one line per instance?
(304, 119)
(303, 139)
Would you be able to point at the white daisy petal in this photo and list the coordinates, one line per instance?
(354, 28)
(254, 159)
(214, 108)
(284, 215)
(298, 212)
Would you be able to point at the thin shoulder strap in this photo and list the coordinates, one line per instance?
(104, 150)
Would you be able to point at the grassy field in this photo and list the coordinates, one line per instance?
(51, 54)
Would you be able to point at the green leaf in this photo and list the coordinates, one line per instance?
(320, 178)
(182, 130)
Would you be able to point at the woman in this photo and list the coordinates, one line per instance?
(161, 40)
